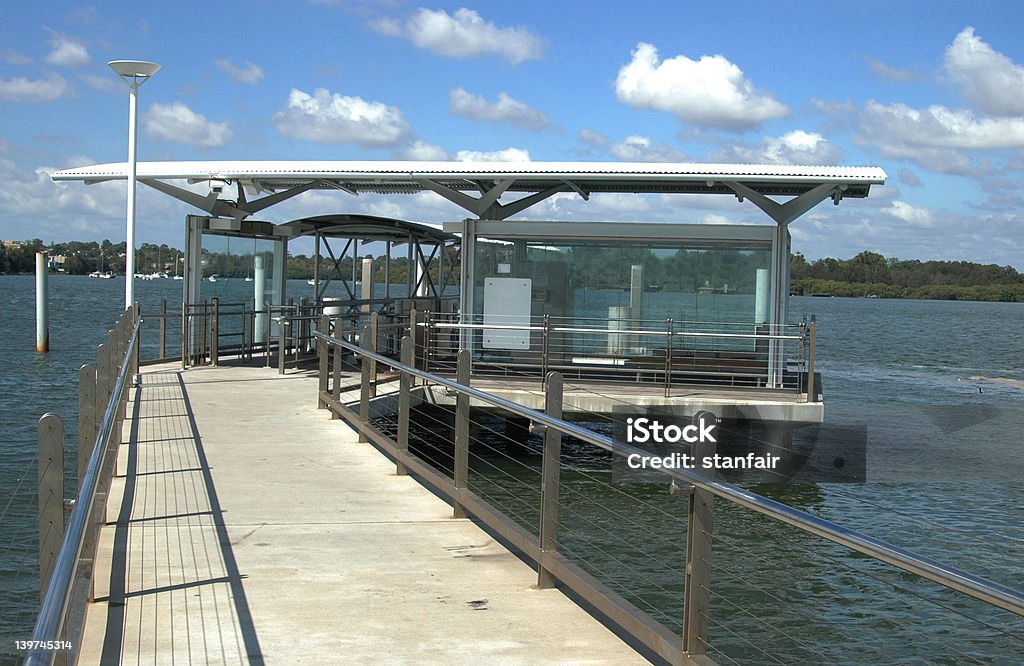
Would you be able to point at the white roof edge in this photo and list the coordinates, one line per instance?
(359, 170)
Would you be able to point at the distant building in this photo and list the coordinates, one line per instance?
(11, 245)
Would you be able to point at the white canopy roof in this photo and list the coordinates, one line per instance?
(488, 180)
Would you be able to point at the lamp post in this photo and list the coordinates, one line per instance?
(134, 73)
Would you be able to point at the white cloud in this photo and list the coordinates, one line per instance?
(249, 73)
(177, 122)
(711, 91)
(507, 155)
(634, 148)
(332, 118)
(988, 78)
(937, 138)
(505, 110)
(913, 215)
(67, 51)
(463, 34)
(796, 147)
(20, 89)
(422, 151)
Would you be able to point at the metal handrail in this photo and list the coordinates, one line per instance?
(951, 577)
(54, 607)
(605, 331)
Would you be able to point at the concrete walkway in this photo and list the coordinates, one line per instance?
(249, 527)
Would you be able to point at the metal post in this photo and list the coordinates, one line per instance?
(336, 372)
(163, 328)
(811, 395)
(697, 593)
(206, 325)
(282, 338)
(545, 342)
(364, 386)
(245, 353)
(461, 470)
(184, 335)
(668, 357)
(87, 423)
(426, 341)
(549, 484)
(51, 495)
(322, 351)
(303, 333)
(374, 331)
(404, 387)
(414, 334)
(42, 304)
(214, 331)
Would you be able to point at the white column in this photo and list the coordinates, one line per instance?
(259, 285)
(762, 296)
(133, 134)
(42, 304)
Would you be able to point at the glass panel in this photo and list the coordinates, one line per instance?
(707, 287)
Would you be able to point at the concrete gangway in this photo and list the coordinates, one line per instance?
(247, 526)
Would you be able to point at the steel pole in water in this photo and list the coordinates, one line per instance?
(42, 304)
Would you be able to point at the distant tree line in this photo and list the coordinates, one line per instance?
(871, 274)
(82, 258)
(867, 274)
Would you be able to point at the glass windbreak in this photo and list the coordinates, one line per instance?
(720, 288)
(240, 270)
(687, 284)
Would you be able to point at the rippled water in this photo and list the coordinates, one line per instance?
(937, 387)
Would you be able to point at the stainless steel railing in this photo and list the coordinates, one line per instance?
(544, 548)
(57, 598)
(666, 352)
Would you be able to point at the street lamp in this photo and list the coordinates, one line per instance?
(134, 73)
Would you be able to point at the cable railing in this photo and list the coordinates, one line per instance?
(566, 513)
(665, 353)
(66, 561)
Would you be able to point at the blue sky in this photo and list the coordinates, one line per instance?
(932, 92)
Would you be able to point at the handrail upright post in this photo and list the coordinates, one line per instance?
(246, 351)
(364, 385)
(374, 337)
(550, 480)
(336, 377)
(282, 342)
(137, 355)
(214, 331)
(460, 471)
(163, 328)
(426, 341)
(811, 397)
(323, 350)
(669, 323)
(184, 335)
(413, 334)
(697, 592)
(404, 389)
(88, 427)
(544, 349)
(50, 433)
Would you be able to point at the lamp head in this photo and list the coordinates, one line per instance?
(134, 72)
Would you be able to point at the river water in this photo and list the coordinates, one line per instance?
(935, 388)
